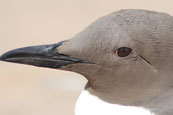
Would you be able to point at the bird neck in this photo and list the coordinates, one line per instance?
(133, 85)
(140, 87)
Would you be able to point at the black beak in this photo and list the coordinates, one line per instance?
(42, 56)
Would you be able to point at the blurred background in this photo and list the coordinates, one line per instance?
(28, 90)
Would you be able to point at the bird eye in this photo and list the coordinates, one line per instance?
(123, 51)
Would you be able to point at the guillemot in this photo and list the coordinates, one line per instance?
(126, 57)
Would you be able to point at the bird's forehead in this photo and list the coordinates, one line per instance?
(104, 32)
(101, 37)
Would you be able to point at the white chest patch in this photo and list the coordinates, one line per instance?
(88, 104)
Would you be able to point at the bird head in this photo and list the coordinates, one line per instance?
(123, 55)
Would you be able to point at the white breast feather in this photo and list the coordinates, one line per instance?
(88, 104)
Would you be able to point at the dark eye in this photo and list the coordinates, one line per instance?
(123, 51)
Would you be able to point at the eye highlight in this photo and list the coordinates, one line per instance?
(123, 51)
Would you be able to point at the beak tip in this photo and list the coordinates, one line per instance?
(2, 57)
(5, 56)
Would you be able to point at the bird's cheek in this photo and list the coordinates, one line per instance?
(82, 69)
